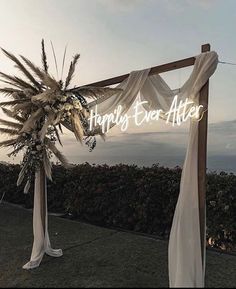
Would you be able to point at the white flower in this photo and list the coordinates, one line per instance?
(60, 107)
(47, 108)
(77, 104)
(28, 92)
(39, 147)
(34, 135)
(226, 207)
(63, 98)
(68, 106)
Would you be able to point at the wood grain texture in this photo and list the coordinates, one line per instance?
(154, 70)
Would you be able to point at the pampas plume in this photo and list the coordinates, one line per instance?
(44, 57)
(71, 70)
(21, 67)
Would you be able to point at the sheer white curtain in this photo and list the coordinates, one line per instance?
(186, 267)
(41, 243)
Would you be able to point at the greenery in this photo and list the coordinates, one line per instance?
(130, 197)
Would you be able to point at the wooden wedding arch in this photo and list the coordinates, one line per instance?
(202, 129)
(202, 139)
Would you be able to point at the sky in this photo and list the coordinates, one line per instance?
(117, 36)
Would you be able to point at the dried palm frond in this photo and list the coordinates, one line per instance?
(10, 83)
(47, 123)
(57, 119)
(44, 97)
(25, 84)
(40, 73)
(9, 131)
(103, 136)
(14, 80)
(60, 128)
(27, 187)
(31, 121)
(11, 124)
(58, 136)
(8, 142)
(22, 173)
(24, 107)
(77, 126)
(22, 68)
(98, 131)
(12, 114)
(85, 113)
(67, 125)
(44, 57)
(71, 70)
(44, 77)
(15, 151)
(50, 82)
(13, 102)
(56, 152)
(96, 92)
(10, 91)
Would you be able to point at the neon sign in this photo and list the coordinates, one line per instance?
(177, 114)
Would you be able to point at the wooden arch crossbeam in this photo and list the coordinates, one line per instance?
(202, 129)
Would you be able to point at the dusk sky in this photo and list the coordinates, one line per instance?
(117, 36)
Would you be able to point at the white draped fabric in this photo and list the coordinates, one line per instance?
(41, 238)
(186, 267)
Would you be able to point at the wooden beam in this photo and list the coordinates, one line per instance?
(154, 70)
(202, 158)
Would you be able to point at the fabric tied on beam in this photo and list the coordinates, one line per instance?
(186, 265)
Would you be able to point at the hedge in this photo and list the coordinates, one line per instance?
(130, 197)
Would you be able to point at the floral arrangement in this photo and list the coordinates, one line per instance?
(41, 106)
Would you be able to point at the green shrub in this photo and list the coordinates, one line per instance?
(130, 197)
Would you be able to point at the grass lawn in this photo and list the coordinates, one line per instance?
(93, 256)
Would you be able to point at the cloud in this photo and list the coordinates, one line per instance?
(166, 147)
(180, 6)
(120, 5)
(222, 138)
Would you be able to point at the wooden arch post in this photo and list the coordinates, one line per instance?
(202, 158)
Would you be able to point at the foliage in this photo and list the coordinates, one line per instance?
(132, 198)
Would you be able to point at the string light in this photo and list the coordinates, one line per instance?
(224, 62)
